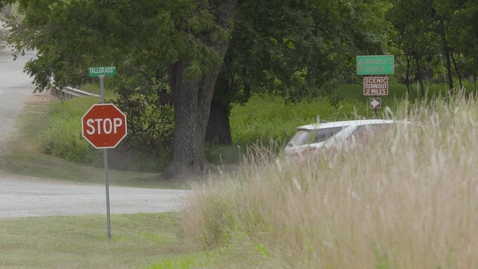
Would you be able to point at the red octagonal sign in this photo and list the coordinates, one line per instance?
(104, 126)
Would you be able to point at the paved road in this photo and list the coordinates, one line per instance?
(26, 198)
(14, 88)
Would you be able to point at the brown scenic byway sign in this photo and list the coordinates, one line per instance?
(375, 86)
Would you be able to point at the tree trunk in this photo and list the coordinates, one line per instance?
(457, 71)
(407, 74)
(476, 75)
(188, 153)
(247, 87)
(219, 129)
(419, 78)
(446, 50)
(192, 102)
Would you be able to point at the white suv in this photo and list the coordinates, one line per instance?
(314, 136)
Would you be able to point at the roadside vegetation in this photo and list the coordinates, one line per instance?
(263, 119)
(268, 120)
(410, 191)
(407, 199)
(38, 125)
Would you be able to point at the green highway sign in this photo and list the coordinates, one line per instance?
(102, 71)
(376, 65)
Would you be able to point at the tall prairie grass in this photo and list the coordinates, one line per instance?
(407, 199)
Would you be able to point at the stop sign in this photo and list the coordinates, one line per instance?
(104, 126)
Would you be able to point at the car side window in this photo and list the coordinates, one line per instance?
(326, 133)
(363, 132)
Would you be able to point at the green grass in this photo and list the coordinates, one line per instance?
(138, 241)
(62, 137)
(269, 117)
(25, 158)
(94, 87)
(266, 120)
(206, 259)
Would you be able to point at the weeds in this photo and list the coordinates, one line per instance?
(406, 200)
(63, 137)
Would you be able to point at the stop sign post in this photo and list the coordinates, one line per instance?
(104, 126)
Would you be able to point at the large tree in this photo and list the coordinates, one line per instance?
(290, 46)
(297, 49)
(189, 38)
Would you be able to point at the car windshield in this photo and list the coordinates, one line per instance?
(303, 137)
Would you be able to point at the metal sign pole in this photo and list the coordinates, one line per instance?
(375, 111)
(105, 154)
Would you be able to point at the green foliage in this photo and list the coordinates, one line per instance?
(220, 220)
(433, 40)
(146, 101)
(150, 121)
(71, 36)
(62, 137)
(301, 48)
(218, 154)
(269, 117)
(264, 118)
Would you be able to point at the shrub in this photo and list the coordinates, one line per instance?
(62, 137)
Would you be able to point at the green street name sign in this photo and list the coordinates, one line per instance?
(376, 65)
(102, 71)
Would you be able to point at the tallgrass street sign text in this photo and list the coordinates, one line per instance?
(102, 71)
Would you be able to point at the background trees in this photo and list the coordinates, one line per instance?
(435, 39)
(297, 49)
(169, 54)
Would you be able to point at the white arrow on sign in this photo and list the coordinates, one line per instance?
(375, 103)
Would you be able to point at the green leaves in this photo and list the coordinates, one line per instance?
(194, 71)
(436, 34)
(275, 41)
(70, 36)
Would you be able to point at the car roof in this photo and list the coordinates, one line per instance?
(343, 124)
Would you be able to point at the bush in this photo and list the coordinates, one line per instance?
(63, 137)
(142, 150)
(269, 117)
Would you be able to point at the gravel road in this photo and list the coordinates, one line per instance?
(20, 197)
